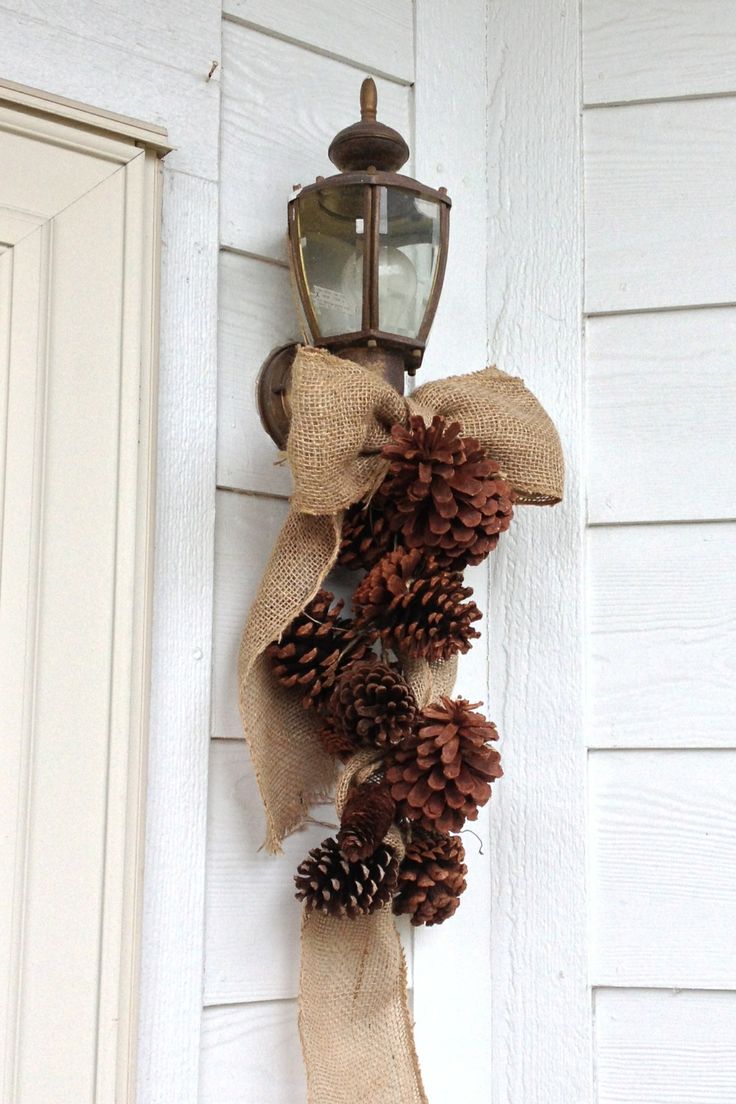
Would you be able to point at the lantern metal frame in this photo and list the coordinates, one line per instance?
(370, 332)
(368, 153)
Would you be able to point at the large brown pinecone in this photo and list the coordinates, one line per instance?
(315, 648)
(366, 537)
(417, 607)
(365, 820)
(443, 775)
(328, 882)
(449, 497)
(372, 704)
(431, 877)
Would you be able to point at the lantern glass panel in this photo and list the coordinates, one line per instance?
(331, 237)
(408, 258)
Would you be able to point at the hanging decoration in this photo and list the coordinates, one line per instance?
(405, 493)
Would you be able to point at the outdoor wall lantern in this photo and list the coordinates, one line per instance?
(367, 252)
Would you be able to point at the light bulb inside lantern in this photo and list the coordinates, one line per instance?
(397, 288)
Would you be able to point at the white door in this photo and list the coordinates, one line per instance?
(78, 232)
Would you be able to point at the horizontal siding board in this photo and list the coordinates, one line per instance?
(181, 36)
(379, 35)
(662, 849)
(661, 392)
(251, 1055)
(662, 625)
(282, 106)
(656, 1046)
(256, 314)
(246, 527)
(253, 919)
(646, 49)
(660, 212)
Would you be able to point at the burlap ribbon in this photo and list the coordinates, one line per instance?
(341, 417)
(354, 1016)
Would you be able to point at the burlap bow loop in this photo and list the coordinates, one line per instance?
(342, 416)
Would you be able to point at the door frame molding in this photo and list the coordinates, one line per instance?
(135, 149)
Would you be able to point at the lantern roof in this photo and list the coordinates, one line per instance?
(368, 144)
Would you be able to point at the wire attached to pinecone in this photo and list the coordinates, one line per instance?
(329, 882)
(442, 775)
(448, 497)
(315, 648)
(366, 818)
(418, 607)
(431, 877)
(372, 704)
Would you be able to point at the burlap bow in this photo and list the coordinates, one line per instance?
(354, 1017)
(341, 417)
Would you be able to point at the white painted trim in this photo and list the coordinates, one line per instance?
(541, 1008)
(174, 887)
(144, 134)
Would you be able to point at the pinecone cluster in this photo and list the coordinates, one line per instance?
(431, 877)
(443, 774)
(417, 607)
(447, 496)
(441, 507)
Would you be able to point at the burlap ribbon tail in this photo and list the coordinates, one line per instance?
(354, 1016)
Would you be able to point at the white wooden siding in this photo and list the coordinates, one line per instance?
(661, 400)
(660, 391)
(642, 51)
(282, 107)
(660, 210)
(662, 644)
(256, 314)
(665, 1045)
(662, 846)
(252, 1044)
(376, 37)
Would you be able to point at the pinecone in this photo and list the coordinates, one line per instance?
(449, 497)
(366, 537)
(443, 775)
(417, 606)
(328, 882)
(312, 652)
(372, 704)
(431, 877)
(334, 742)
(366, 818)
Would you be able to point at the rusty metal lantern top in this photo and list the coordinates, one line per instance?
(368, 246)
(367, 249)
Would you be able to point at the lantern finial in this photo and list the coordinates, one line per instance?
(368, 144)
(368, 99)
